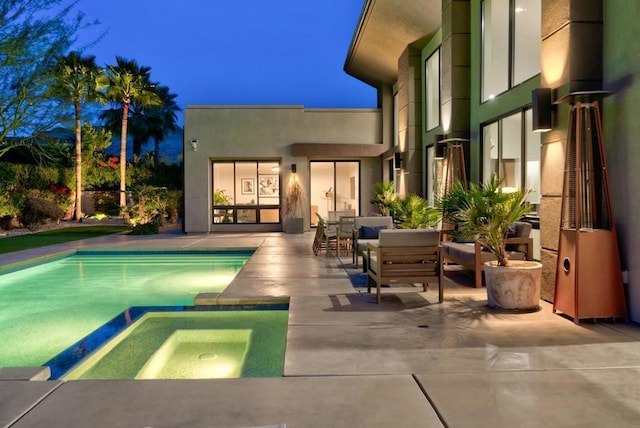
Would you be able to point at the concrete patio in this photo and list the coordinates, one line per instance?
(409, 362)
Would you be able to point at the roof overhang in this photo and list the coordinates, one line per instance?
(312, 150)
(385, 29)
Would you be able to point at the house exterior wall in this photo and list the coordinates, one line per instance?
(410, 121)
(267, 133)
(621, 74)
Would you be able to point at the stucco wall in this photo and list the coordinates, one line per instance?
(621, 134)
(267, 133)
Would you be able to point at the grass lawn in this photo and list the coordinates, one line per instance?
(56, 236)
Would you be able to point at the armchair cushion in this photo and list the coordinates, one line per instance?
(370, 232)
(519, 229)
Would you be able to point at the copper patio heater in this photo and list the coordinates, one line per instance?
(588, 273)
(453, 170)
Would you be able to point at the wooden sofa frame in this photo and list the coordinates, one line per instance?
(404, 265)
(477, 266)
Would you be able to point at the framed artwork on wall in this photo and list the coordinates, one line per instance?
(269, 185)
(248, 186)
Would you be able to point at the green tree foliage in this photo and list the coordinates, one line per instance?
(129, 82)
(99, 172)
(146, 121)
(77, 80)
(164, 119)
(33, 33)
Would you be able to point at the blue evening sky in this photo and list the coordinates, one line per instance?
(236, 51)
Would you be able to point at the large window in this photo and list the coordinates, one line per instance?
(334, 188)
(512, 151)
(432, 90)
(246, 192)
(510, 44)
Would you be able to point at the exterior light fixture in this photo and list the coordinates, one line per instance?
(398, 160)
(293, 168)
(194, 144)
(542, 109)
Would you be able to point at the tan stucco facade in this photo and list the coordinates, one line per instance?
(270, 133)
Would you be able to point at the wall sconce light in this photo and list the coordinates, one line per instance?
(542, 109)
(293, 168)
(194, 144)
(398, 160)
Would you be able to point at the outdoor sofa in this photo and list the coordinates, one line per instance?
(472, 255)
(404, 256)
(365, 231)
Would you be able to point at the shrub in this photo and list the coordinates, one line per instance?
(106, 203)
(145, 229)
(154, 205)
(36, 211)
(9, 222)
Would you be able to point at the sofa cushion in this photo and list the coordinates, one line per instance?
(370, 232)
(361, 245)
(409, 238)
(519, 229)
(373, 221)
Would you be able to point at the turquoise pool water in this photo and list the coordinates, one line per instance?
(46, 308)
(192, 345)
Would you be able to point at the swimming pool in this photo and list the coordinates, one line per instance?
(44, 309)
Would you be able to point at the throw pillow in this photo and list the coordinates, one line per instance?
(370, 232)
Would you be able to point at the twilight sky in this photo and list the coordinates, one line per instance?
(235, 51)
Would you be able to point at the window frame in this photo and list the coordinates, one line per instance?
(510, 57)
(258, 204)
(429, 95)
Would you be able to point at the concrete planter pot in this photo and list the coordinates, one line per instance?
(293, 225)
(515, 287)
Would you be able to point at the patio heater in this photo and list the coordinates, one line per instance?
(453, 170)
(454, 167)
(588, 272)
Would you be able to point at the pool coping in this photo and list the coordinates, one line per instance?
(37, 260)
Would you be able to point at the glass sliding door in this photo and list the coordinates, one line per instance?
(334, 188)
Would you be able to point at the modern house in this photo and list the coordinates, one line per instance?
(499, 75)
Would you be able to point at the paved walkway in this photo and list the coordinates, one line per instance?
(409, 362)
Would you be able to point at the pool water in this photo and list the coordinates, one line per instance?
(192, 345)
(46, 308)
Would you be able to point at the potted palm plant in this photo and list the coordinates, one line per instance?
(486, 212)
(294, 204)
(413, 212)
(384, 197)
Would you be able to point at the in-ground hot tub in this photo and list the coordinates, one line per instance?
(192, 345)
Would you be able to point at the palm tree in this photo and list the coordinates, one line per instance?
(146, 121)
(77, 80)
(129, 82)
(138, 124)
(163, 119)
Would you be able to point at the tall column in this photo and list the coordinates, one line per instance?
(571, 61)
(456, 68)
(410, 120)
